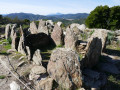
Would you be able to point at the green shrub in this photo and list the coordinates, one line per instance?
(92, 32)
(2, 77)
(9, 40)
(110, 37)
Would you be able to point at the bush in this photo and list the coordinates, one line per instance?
(104, 17)
(9, 40)
(110, 37)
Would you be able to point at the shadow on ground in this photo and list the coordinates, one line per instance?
(113, 52)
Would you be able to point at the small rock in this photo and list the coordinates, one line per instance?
(21, 63)
(14, 86)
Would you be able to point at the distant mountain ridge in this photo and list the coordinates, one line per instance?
(54, 17)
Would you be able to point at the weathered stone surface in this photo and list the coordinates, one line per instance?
(44, 30)
(49, 22)
(21, 46)
(59, 23)
(81, 45)
(36, 72)
(46, 84)
(70, 39)
(117, 32)
(13, 30)
(50, 25)
(57, 35)
(101, 34)
(81, 27)
(33, 28)
(64, 68)
(42, 27)
(93, 52)
(29, 57)
(7, 31)
(11, 50)
(118, 38)
(14, 86)
(37, 59)
(15, 42)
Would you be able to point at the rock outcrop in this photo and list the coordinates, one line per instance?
(33, 28)
(64, 68)
(7, 31)
(70, 39)
(57, 35)
(101, 34)
(46, 84)
(15, 42)
(37, 59)
(13, 30)
(37, 72)
(21, 46)
(42, 27)
(93, 52)
(14, 86)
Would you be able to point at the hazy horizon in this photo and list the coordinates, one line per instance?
(47, 7)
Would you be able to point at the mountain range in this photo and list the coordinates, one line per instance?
(57, 16)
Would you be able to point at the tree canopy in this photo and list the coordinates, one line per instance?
(104, 17)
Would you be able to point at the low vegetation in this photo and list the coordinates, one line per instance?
(2, 76)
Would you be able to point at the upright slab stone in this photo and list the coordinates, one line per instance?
(93, 51)
(33, 28)
(37, 59)
(70, 39)
(14, 43)
(7, 31)
(57, 35)
(21, 46)
(101, 34)
(13, 30)
(42, 27)
(64, 68)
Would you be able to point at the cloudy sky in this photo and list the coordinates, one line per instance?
(45, 7)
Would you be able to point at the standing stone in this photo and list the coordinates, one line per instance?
(82, 27)
(57, 35)
(33, 28)
(13, 45)
(7, 31)
(13, 30)
(50, 25)
(101, 34)
(42, 27)
(70, 39)
(64, 68)
(28, 53)
(59, 23)
(93, 52)
(21, 46)
(37, 59)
